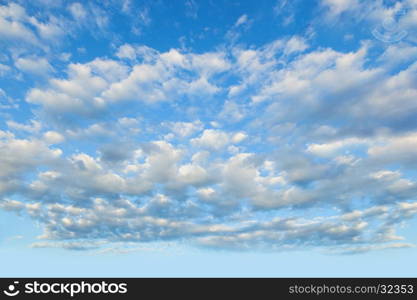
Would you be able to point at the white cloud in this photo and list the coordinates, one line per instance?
(150, 177)
(53, 30)
(142, 84)
(89, 87)
(209, 63)
(20, 156)
(53, 137)
(161, 163)
(337, 7)
(295, 44)
(326, 70)
(4, 69)
(401, 149)
(232, 111)
(239, 137)
(91, 132)
(126, 51)
(192, 174)
(34, 65)
(17, 25)
(159, 80)
(123, 220)
(206, 193)
(78, 12)
(330, 149)
(11, 17)
(34, 127)
(185, 129)
(393, 97)
(76, 94)
(362, 249)
(110, 70)
(212, 139)
(242, 20)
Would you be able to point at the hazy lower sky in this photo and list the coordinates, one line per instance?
(208, 138)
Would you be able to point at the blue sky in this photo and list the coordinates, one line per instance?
(208, 138)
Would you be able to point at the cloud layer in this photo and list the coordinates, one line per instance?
(271, 147)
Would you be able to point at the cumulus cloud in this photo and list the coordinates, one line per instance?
(12, 19)
(401, 149)
(158, 81)
(18, 26)
(36, 66)
(211, 138)
(76, 228)
(20, 157)
(77, 94)
(92, 86)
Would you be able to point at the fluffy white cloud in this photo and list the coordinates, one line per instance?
(76, 94)
(53, 137)
(126, 51)
(12, 18)
(330, 149)
(400, 149)
(295, 130)
(213, 139)
(123, 220)
(40, 30)
(337, 7)
(93, 85)
(161, 80)
(21, 156)
(393, 97)
(216, 139)
(185, 129)
(317, 75)
(35, 65)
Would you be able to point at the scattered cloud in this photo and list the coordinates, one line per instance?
(243, 141)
